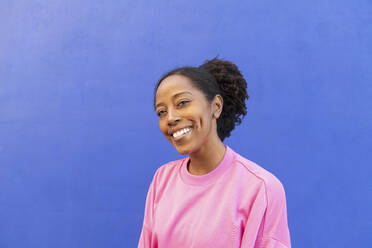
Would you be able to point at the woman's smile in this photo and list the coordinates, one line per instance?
(182, 134)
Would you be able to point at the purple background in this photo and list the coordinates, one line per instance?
(79, 140)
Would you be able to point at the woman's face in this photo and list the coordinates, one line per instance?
(186, 118)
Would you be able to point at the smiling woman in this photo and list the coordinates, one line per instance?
(214, 197)
(182, 107)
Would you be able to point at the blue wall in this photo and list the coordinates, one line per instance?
(79, 141)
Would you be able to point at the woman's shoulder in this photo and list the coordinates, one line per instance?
(257, 172)
(167, 170)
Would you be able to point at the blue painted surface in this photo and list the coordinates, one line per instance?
(79, 141)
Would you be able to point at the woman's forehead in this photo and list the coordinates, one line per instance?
(175, 84)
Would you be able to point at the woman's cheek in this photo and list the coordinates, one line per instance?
(163, 129)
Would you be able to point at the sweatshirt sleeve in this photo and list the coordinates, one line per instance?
(273, 231)
(145, 239)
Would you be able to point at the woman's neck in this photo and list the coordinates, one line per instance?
(207, 158)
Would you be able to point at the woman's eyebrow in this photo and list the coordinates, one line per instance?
(183, 92)
(174, 96)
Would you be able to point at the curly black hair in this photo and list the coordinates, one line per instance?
(221, 77)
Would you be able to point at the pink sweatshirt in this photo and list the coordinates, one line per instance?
(238, 204)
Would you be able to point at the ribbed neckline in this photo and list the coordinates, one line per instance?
(210, 177)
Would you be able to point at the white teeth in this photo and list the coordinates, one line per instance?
(181, 132)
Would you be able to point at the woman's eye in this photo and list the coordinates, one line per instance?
(161, 112)
(181, 103)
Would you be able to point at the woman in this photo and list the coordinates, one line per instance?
(214, 197)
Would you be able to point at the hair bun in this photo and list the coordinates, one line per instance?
(233, 88)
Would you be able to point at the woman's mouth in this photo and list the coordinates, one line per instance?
(181, 133)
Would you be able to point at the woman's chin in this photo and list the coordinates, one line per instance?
(182, 149)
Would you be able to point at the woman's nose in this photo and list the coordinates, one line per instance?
(173, 117)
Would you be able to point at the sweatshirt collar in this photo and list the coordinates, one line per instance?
(210, 177)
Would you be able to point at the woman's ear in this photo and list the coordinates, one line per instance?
(217, 105)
